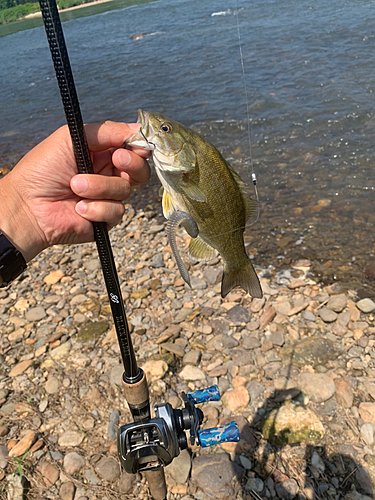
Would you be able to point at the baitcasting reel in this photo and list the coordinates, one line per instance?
(156, 442)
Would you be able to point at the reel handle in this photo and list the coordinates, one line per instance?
(217, 435)
(208, 394)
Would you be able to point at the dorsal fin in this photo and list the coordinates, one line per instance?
(250, 205)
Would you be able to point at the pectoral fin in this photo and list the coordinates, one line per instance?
(200, 250)
(167, 204)
(193, 191)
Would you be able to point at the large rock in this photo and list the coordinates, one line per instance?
(312, 351)
(290, 424)
(217, 476)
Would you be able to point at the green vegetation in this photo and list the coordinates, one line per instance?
(12, 10)
(10, 14)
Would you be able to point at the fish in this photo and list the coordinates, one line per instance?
(199, 182)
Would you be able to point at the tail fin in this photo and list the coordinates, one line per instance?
(245, 277)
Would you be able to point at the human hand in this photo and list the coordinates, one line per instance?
(44, 201)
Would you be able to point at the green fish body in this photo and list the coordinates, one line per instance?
(197, 180)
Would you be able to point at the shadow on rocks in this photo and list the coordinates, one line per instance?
(286, 464)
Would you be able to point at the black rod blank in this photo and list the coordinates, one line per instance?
(73, 115)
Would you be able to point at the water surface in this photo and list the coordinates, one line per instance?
(310, 86)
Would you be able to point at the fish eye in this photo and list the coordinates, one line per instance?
(166, 127)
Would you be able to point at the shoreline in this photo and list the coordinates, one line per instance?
(89, 4)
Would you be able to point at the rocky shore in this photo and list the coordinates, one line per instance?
(295, 370)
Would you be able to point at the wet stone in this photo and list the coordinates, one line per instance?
(239, 314)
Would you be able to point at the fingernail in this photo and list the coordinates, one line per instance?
(81, 207)
(80, 184)
(124, 157)
(134, 126)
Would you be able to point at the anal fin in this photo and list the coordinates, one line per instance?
(200, 250)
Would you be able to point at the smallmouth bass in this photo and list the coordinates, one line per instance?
(199, 182)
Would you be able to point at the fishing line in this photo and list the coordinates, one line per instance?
(253, 175)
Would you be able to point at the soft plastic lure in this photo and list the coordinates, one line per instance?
(188, 223)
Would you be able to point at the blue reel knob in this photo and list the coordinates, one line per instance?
(209, 394)
(216, 435)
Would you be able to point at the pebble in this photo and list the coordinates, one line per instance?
(71, 438)
(67, 491)
(254, 484)
(367, 432)
(327, 315)
(23, 445)
(287, 490)
(108, 469)
(216, 475)
(35, 314)
(155, 370)
(235, 399)
(337, 303)
(20, 368)
(179, 469)
(318, 386)
(343, 393)
(290, 366)
(73, 462)
(366, 305)
(52, 385)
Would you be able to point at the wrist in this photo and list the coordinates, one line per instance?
(16, 221)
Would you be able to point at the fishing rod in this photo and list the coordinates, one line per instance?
(148, 444)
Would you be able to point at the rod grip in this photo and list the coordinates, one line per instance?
(137, 397)
(156, 483)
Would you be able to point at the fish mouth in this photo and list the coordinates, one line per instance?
(139, 139)
(146, 127)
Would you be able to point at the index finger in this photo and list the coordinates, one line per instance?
(108, 134)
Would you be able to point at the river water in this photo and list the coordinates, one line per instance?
(311, 91)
